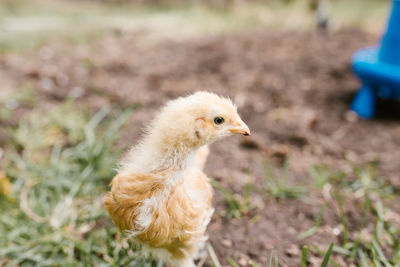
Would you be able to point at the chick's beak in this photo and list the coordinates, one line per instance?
(240, 128)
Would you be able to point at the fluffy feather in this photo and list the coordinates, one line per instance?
(160, 196)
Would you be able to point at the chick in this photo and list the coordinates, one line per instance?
(160, 196)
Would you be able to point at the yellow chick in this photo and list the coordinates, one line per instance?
(160, 196)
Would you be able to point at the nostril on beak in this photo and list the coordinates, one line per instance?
(246, 134)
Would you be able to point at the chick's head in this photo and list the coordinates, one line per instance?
(199, 119)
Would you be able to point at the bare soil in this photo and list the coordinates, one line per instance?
(292, 89)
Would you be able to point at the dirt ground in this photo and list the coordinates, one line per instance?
(292, 89)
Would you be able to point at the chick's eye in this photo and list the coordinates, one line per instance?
(218, 120)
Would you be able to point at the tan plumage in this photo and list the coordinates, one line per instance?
(160, 196)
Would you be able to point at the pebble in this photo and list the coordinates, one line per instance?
(293, 250)
(227, 243)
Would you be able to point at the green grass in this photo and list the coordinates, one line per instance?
(378, 246)
(277, 185)
(238, 205)
(327, 255)
(304, 252)
(313, 230)
(273, 260)
(383, 249)
(56, 165)
(59, 166)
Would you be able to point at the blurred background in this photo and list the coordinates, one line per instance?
(79, 79)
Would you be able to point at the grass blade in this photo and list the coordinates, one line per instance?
(304, 256)
(381, 255)
(213, 256)
(363, 258)
(342, 216)
(363, 222)
(327, 256)
(231, 262)
(315, 228)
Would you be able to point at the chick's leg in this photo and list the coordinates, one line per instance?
(201, 157)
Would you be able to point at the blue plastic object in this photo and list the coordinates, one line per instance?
(379, 68)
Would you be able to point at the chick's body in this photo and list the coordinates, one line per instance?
(168, 218)
(161, 196)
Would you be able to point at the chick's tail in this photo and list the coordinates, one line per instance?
(126, 196)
